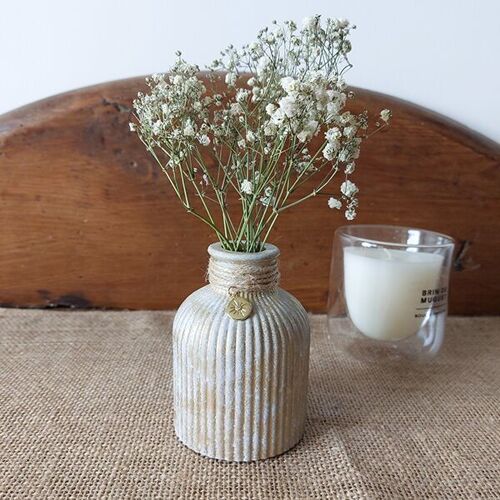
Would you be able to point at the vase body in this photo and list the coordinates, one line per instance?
(240, 385)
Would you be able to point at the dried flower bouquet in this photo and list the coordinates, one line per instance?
(235, 144)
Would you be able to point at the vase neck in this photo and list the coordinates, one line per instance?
(232, 272)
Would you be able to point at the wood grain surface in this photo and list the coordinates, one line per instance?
(87, 219)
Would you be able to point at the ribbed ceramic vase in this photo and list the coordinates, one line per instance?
(240, 385)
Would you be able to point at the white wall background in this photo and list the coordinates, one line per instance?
(443, 54)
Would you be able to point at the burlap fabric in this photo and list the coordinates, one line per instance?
(86, 413)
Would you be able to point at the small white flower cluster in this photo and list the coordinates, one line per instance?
(334, 203)
(246, 186)
(254, 116)
(175, 113)
(349, 191)
(385, 115)
(268, 200)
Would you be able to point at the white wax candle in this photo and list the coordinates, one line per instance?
(383, 289)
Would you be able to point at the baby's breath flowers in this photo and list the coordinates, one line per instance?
(237, 153)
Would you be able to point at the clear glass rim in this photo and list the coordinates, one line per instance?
(344, 231)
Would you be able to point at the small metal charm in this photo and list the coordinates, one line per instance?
(238, 307)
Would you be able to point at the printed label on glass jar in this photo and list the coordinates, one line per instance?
(435, 299)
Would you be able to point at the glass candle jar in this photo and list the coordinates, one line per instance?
(390, 284)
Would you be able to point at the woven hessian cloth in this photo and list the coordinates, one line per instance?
(86, 412)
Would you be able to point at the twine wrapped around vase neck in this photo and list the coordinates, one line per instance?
(243, 275)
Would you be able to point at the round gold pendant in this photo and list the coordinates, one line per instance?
(239, 308)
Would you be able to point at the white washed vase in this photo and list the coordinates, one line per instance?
(240, 386)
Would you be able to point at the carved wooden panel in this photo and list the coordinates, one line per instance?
(87, 220)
